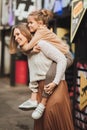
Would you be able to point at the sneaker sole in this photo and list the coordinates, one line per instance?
(27, 109)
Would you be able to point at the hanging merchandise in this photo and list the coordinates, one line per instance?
(48, 4)
(62, 7)
(51, 4)
(65, 3)
(23, 8)
(58, 7)
(12, 5)
(85, 4)
(5, 15)
(8, 12)
(39, 4)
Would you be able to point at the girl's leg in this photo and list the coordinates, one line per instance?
(44, 101)
(38, 112)
(45, 97)
(34, 95)
(31, 103)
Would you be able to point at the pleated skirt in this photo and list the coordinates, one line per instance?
(58, 112)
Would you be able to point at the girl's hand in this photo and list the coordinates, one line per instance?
(49, 88)
(24, 47)
(36, 49)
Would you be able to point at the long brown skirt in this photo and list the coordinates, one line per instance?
(57, 115)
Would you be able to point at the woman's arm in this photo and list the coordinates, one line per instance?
(55, 55)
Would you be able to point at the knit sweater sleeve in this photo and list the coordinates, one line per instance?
(55, 55)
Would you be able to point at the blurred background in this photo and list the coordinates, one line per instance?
(15, 11)
(70, 24)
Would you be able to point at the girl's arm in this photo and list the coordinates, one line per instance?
(55, 55)
(35, 39)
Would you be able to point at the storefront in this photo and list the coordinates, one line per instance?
(79, 38)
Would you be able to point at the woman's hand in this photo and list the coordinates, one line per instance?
(49, 88)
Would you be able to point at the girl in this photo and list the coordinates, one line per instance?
(37, 23)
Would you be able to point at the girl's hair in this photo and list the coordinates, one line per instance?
(24, 30)
(43, 15)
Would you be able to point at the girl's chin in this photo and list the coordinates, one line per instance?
(32, 31)
(20, 44)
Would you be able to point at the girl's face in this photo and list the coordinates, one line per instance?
(19, 37)
(33, 24)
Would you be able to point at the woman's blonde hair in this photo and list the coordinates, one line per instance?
(24, 30)
(42, 15)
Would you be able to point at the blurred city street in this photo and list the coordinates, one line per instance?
(11, 118)
(68, 20)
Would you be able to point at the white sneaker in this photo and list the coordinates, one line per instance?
(38, 112)
(28, 105)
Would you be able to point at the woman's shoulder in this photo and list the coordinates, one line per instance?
(45, 43)
(42, 42)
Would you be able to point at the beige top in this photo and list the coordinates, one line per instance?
(43, 33)
(40, 63)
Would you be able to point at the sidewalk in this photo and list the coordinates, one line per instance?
(11, 118)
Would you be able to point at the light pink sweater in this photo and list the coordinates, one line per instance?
(43, 33)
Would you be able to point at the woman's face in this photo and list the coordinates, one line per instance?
(32, 24)
(19, 37)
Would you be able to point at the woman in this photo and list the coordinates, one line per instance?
(57, 114)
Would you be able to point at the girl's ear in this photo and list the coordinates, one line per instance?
(40, 22)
